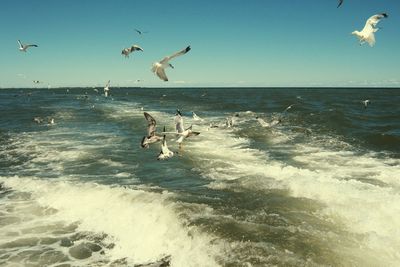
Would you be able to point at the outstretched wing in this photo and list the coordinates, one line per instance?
(136, 47)
(177, 54)
(374, 20)
(31, 45)
(20, 44)
(340, 3)
(161, 74)
(179, 124)
(151, 127)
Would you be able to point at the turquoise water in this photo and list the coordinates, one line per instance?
(319, 189)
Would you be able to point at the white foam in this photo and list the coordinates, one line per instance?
(360, 192)
(144, 226)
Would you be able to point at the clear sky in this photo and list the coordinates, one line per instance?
(234, 43)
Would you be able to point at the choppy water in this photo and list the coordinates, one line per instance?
(320, 189)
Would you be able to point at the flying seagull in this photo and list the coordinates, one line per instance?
(127, 51)
(340, 3)
(36, 81)
(165, 153)
(366, 103)
(289, 107)
(24, 47)
(140, 32)
(107, 88)
(368, 33)
(265, 124)
(159, 67)
(151, 132)
(184, 133)
(195, 117)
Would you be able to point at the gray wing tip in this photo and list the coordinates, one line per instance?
(187, 49)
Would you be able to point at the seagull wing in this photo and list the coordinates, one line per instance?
(177, 54)
(374, 20)
(20, 44)
(151, 127)
(340, 3)
(161, 74)
(139, 32)
(179, 124)
(136, 47)
(31, 45)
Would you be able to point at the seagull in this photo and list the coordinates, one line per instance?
(265, 124)
(366, 103)
(107, 88)
(127, 51)
(159, 67)
(196, 118)
(165, 153)
(24, 47)
(38, 120)
(289, 107)
(140, 32)
(184, 133)
(151, 132)
(340, 3)
(35, 81)
(368, 33)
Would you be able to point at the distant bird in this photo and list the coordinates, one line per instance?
(180, 129)
(24, 47)
(165, 153)
(366, 103)
(195, 117)
(340, 3)
(107, 88)
(151, 136)
(96, 90)
(133, 48)
(140, 32)
(368, 33)
(35, 81)
(265, 124)
(51, 121)
(159, 67)
(38, 119)
(289, 107)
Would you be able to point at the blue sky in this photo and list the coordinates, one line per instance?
(234, 43)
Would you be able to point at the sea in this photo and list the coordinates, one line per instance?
(321, 188)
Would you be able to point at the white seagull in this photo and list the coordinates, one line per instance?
(107, 88)
(133, 48)
(366, 103)
(24, 47)
(265, 124)
(184, 133)
(165, 153)
(195, 117)
(368, 33)
(289, 107)
(159, 67)
(151, 132)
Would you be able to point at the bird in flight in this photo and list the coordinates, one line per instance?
(133, 48)
(159, 67)
(165, 153)
(366, 103)
(151, 136)
(340, 3)
(24, 47)
(140, 32)
(107, 88)
(368, 33)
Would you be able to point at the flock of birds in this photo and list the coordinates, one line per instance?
(366, 35)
